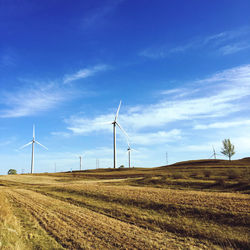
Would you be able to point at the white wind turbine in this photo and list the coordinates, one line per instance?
(114, 131)
(129, 154)
(129, 151)
(81, 161)
(33, 152)
(214, 153)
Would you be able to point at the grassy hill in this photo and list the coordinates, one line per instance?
(202, 204)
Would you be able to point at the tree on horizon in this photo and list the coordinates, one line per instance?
(227, 148)
(12, 171)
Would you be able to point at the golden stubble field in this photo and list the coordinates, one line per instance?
(53, 212)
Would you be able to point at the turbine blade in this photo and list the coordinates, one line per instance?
(25, 145)
(134, 150)
(117, 113)
(211, 156)
(102, 123)
(122, 129)
(33, 130)
(41, 144)
(124, 132)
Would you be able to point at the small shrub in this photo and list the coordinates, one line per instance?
(207, 173)
(193, 175)
(233, 174)
(177, 176)
(12, 171)
(220, 182)
(122, 166)
(163, 178)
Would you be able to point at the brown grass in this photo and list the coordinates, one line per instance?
(76, 228)
(10, 230)
(221, 218)
(196, 204)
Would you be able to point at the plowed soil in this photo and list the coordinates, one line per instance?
(79, 228)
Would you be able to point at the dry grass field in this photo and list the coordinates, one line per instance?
(188, 205)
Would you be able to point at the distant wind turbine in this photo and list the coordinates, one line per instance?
(214, 154)
(33, 152)
(129, 154)
(129, 149)
(80, 157)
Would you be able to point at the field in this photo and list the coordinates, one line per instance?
(189, 205)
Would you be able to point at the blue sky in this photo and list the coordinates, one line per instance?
(181, 69)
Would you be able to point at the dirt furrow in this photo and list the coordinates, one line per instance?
(217, 201)
(80, 228)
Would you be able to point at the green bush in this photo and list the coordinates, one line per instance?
(12, 171)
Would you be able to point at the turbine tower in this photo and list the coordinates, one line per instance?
(33, 149)
(80, 162)
(129, 152)
(214, 153)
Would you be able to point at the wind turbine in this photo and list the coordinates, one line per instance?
(33, 152)
(114, 131)
(214, 154)
(129, 151)
(80, 157)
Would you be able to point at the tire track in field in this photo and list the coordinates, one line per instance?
(79, 228)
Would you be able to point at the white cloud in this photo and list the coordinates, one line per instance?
(227, 90)
(34, 97)
(30, 100)
(236, 77)
(8, 58)
(220, 125)
(84, 73)
(6, 142)
(172, 91)
(97, 15)
(80, 125)
(158, 137)
(233, 48)
(61, 134)
(227, 42)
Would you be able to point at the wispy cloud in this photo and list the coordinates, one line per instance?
(158, 137)
(6, 142)
(84, 73)
(220, 125)
(61, 134)
(224, 43)
(33, 97)
(217, 96)
(7, 58)
(233, 48)
(96, 15)
(81, 125)
(30, 100)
